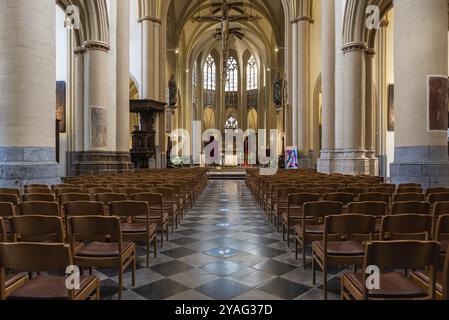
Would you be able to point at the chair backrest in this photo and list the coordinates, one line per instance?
(322, 209)
(404, 197)
(285, 192)
(90, 228)
(15, 192)
(386, 190)
(438, 197)
(403, 255)
(371, 208)
(352, 190)
(7, 209)
(433, 191)
(38, 229)
(107, 198)
(129, 209)
(297, 200)
(375, 196)
(61, 186)
(71, 197)
(411, 207)
(3, 234)
(342, 197)
(130, 191)
(84, 208)
(406, 227)
(350, 225)
(166, 193)
(406, 185)
(33, 186)
(321, 191)
(409, 190)
(67, 190)
(39, 208)
(38, 191)
(95, 191)
(38, 197)
(116, 186)
(34, 257)
(10, 198)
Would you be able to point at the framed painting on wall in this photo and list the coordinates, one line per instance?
(291, 158)
(61, 105)
(437, 100)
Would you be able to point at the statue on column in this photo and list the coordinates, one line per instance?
(173, 91)
(278, 93)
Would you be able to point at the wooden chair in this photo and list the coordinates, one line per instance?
(404, 197)
(312, 224)
(321, 191)
(104, 246)
(107, 198)
(7, 211)
(410, 207)
(95, 191)
(38, 197)
(169, 205)
(423, 280)
(38, 191)
(176, 198)
(136, 230)
(344, 198)
(442, 233)
(10, 198)
(406, 227)
(39, 208)
(69, 190)
(387, 190)
(71, 197)
(116, 186)
(349, 250)
(429, 191)
(409, 190)
(61, 186)
(375, 197)
(32, 186)
(407, 185)
(438, 197)
(293, 216)
(130, 191)
(35, 257)
(157, 214)
(15, 192)
(393, 255)
(280, 203)
(38, 229)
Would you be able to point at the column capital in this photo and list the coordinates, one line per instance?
(302, 18)
(96, 45)
(354, 46)
(149, 18)
(79, 50)
(370, 52)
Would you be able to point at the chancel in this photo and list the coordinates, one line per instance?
(224, 150)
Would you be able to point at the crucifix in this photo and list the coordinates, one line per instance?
(225, 19)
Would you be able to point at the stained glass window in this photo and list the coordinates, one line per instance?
(231, 123)
(252, 74)
(210, 70)
(232, 83)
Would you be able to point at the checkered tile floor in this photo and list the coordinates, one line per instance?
(224, 250)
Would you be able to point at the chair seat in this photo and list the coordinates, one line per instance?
(102, 249)
(393, 286)
(423, 277)
(138, 228)
(311, 229)
(48, 288)
(342, 248)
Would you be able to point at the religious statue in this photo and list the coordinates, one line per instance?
(173, 91)
(278, 93)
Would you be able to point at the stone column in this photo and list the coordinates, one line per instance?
(339, 82)
(123, 110)
(328, 85)
(79, 99)
(27, 91)
(421, 155)
(370, 114)
(301, 85)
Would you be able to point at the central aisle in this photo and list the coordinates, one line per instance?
(224, 250)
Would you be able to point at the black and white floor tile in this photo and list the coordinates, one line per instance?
(224, 250)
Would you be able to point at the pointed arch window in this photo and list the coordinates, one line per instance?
(232, 83)
(210, 70)
(252, 75)
(210, 81)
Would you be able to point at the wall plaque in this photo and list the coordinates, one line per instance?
(437, 100)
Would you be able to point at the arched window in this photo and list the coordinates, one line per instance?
(210, 81)
(232, 83)
(231, 123)
(252, 75)
(210, 70)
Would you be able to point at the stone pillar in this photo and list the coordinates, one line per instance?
(421, 155)
(325, 163)
(301, 85)
(28, 94)
(370, 114)
(79, 99)
(123, 109)
(339, 82)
